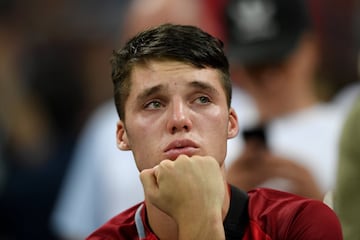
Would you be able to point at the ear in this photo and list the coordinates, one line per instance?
(233, 125)
(122, 139)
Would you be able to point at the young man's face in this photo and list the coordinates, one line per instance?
(173, 109)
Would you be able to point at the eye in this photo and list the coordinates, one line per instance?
(154, 104)
(203, 99)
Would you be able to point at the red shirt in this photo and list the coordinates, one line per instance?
(273, 215)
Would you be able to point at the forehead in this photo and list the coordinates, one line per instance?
(168, 73)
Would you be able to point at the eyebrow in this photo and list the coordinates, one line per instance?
(159, 88)
(203, 86)
(150, 91)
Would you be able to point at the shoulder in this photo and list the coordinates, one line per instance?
(122, 226)
(287, 216)
(277, 203)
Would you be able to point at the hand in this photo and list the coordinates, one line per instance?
(300, 178)
(249, 170)
(191, 190)
(255, 166)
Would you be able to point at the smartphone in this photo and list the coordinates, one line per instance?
(257, 133)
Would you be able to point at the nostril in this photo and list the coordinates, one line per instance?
(176, 129)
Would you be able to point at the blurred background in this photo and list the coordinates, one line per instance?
(55, 71)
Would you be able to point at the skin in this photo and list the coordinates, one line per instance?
(257, 164)
(177, 125)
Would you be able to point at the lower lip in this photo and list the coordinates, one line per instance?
(172, 154)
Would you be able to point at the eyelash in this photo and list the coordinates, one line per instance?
(203, 97)
(199, 99)
(152, 102)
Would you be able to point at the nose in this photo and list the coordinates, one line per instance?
(179, 119)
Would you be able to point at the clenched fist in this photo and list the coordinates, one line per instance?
(191, 190)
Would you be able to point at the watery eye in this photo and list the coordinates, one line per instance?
(203, 99)
(153, 105)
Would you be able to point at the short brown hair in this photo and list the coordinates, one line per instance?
(183, 43)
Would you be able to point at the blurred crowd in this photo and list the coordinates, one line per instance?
(54, 70)
(55, 83)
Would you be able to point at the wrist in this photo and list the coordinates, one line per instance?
(209, 226)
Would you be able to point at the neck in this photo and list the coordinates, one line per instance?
(161, 224)
(282, 104)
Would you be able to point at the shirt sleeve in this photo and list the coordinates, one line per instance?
(316, 221)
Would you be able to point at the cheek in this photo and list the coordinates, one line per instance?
(142, 132)
(214, 120)
(140, 139)
(219, 117)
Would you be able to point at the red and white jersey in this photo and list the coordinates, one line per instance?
(272, 215)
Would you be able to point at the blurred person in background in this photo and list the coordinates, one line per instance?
(180, 91)
(293, 144)
(346, 195)
(30, 144)
(47, 66)
(89, 194)
(93, 189)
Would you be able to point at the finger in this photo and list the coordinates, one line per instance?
(148, 180)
